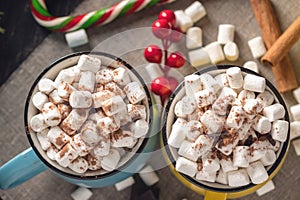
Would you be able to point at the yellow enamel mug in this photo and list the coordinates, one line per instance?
(215, 191)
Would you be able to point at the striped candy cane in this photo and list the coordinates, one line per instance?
(94, 18)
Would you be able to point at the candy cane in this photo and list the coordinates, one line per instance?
(94, 18)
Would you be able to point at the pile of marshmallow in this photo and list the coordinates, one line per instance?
(229, 128)
(218, 51)
(89, 116)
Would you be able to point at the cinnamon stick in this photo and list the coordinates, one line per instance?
(283, 44)
(283, 71)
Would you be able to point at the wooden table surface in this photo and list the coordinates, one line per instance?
(129, 45)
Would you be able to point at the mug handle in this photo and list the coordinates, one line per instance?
(20, 169)
(210, 195)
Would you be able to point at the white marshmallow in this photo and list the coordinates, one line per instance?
(238, 178)
(51, 152)
(66, 155)
(122, 117)
(235, 78)
(64, 90)
(196, 115)
(37, 123)
(294, 129)
(268, 187)
(275, 147)
(257, 150)
(195, 11)
(212, 121)
(66, 75)
(195, 128)
(46, 85)
(241, 156)
(100, 97)
(110, 162)
(204, 98)
(122, 138)
(179, 110)
(43, 139)
(79, 145)
(231, 51)
(262, 124)
(274, 112)
(186, 150)
(244, 131)
(76, 38)
(55, 98)
(183, 21)
(94, 162)
(211, 162)
(51, 114)
(154, 71)
(222, 80)
(81, 193)
(113, 105)
(222, 177)
(134, 92)
(125, 183)
(102, 148)
(108, 125)
(202, 145)
(215, 52)
(136, 111)
(58, 137)
(139, 128)
(88, 63)
(204, 175)
(257, 172)
(186, 166)
(120, 76)
(89, 133)
(80, 99)
(148, 175)
(269, 158)
(295, 111)
(296, 144)
(266, 98)
(254, 83)
(87, 81)
(193, 38)
(296, 94)
(221, 105)
(225, 33)
(64, 110)
(79, 165)
(192, 84)
(251, 65)
(227, 165)
(257, 47)
(280, 130)
(253, 107)
(188, 105)
(96, 116)
(177, 134)
(198, 57)
(104, 76)
(74, 120)
(227, 144)
(246, 95)
(235, 117)
(209, 82)
(114, 88)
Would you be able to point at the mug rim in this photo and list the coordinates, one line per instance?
(82, 176)
(168, 148)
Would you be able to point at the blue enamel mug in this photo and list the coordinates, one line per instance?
(34, 160)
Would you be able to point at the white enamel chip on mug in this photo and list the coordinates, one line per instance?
(257, 47)
(254, 83)
(183, 21)
(215, 52)
(193, 38)
(195, 11)
(225, 33)
(46, 85)
(88, 63)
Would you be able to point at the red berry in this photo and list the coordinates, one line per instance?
(161, 28)
(175, 35)
(175, 60)
(173, 83)
(153, 53)
(168, 15)
(161, 86)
